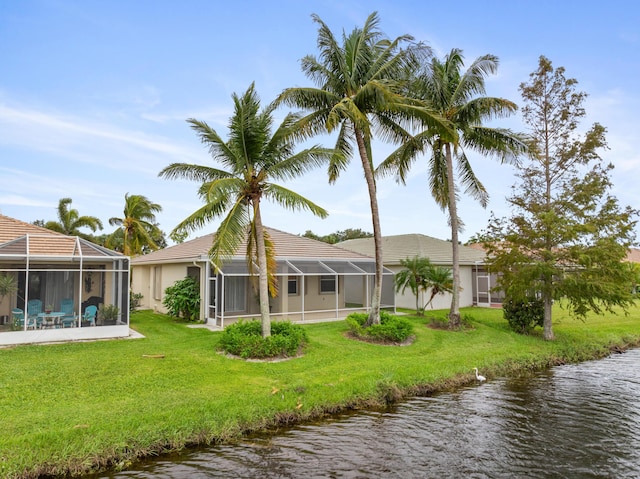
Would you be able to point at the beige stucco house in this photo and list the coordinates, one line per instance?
(60, 284)
(317, 281)
(475, 282)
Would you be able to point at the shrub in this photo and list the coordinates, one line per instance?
(135, 299)
(394, 329)
(523, 315)
(182, 300)
(244, 339)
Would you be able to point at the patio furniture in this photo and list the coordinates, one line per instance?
(66, 306)
(34, 308)
(50, 320)
(90, 315)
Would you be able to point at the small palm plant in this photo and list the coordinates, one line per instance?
(8, 285)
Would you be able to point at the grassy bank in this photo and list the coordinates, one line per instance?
(72, 408)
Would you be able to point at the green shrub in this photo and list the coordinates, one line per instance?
(244, 339)
(182, 300)
(135, 299)
(392, 328)
(523, 315)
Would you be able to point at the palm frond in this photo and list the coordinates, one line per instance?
(292, 201)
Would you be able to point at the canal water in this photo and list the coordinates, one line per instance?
(573, 421)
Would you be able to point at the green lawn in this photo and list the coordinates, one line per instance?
(76, 407)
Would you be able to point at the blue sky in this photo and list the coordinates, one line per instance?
(94, 96)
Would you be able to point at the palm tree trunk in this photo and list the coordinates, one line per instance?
(263, 285)
(374, 314)
(454, 313)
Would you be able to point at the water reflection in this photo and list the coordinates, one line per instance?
(576, 421)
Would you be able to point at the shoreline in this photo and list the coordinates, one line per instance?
(333, 377)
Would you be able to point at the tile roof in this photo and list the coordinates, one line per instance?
(287, 246)
(633, 255)
(395, 248)
(11, 228)
(43, 242)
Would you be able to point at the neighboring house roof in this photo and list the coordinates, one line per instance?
(400, 247)
(286, 245)
(20, 238)
(633, 255)
(11, 228)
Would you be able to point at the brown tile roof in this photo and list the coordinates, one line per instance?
(395, 248)
(11, 228)
(633, 255)
(43, 242)
(287, 245)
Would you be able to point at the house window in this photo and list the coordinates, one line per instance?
(292, 286)
(235, 294)
(157, 282)
(327, 284)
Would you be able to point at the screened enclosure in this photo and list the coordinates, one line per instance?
(63, 288)
(308, 289)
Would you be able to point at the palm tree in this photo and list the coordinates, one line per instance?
(359, 84)
(420, 275)
(69, 221)
(137, 228)
(254, 157)
(413, 276)
(459, 98)
(440, 281)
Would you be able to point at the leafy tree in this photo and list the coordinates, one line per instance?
(459, 97)
(254, 156)
(568, 236)
(138, 229)
(69, 221)
(359, 88)
(339, 236)
(420, 275)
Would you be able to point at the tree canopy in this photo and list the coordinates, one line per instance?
(254, 156)
(568, 236)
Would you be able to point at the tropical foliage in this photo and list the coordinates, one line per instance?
(338, 236)
(69, 221)
(420, 275)
(254, 156)
(392, 329)
(244, 339)
(138, 230)
(182, 300)
(359, 89)
(460, 98)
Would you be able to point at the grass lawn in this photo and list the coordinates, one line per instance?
(73, 408)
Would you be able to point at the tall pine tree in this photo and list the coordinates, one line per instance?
(568, 236)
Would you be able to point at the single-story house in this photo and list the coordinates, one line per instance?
(317, 281)
(53, 286)
(475, 282)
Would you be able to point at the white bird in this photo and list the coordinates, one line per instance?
(479, 377)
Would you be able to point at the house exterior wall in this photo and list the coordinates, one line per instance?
(144, 282)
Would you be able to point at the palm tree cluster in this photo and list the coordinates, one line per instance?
(420, 275)
(367, 88)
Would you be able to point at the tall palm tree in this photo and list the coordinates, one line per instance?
(138, 226)
(359, 89)
(69, 221)
(459, 97)
(253, 156)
